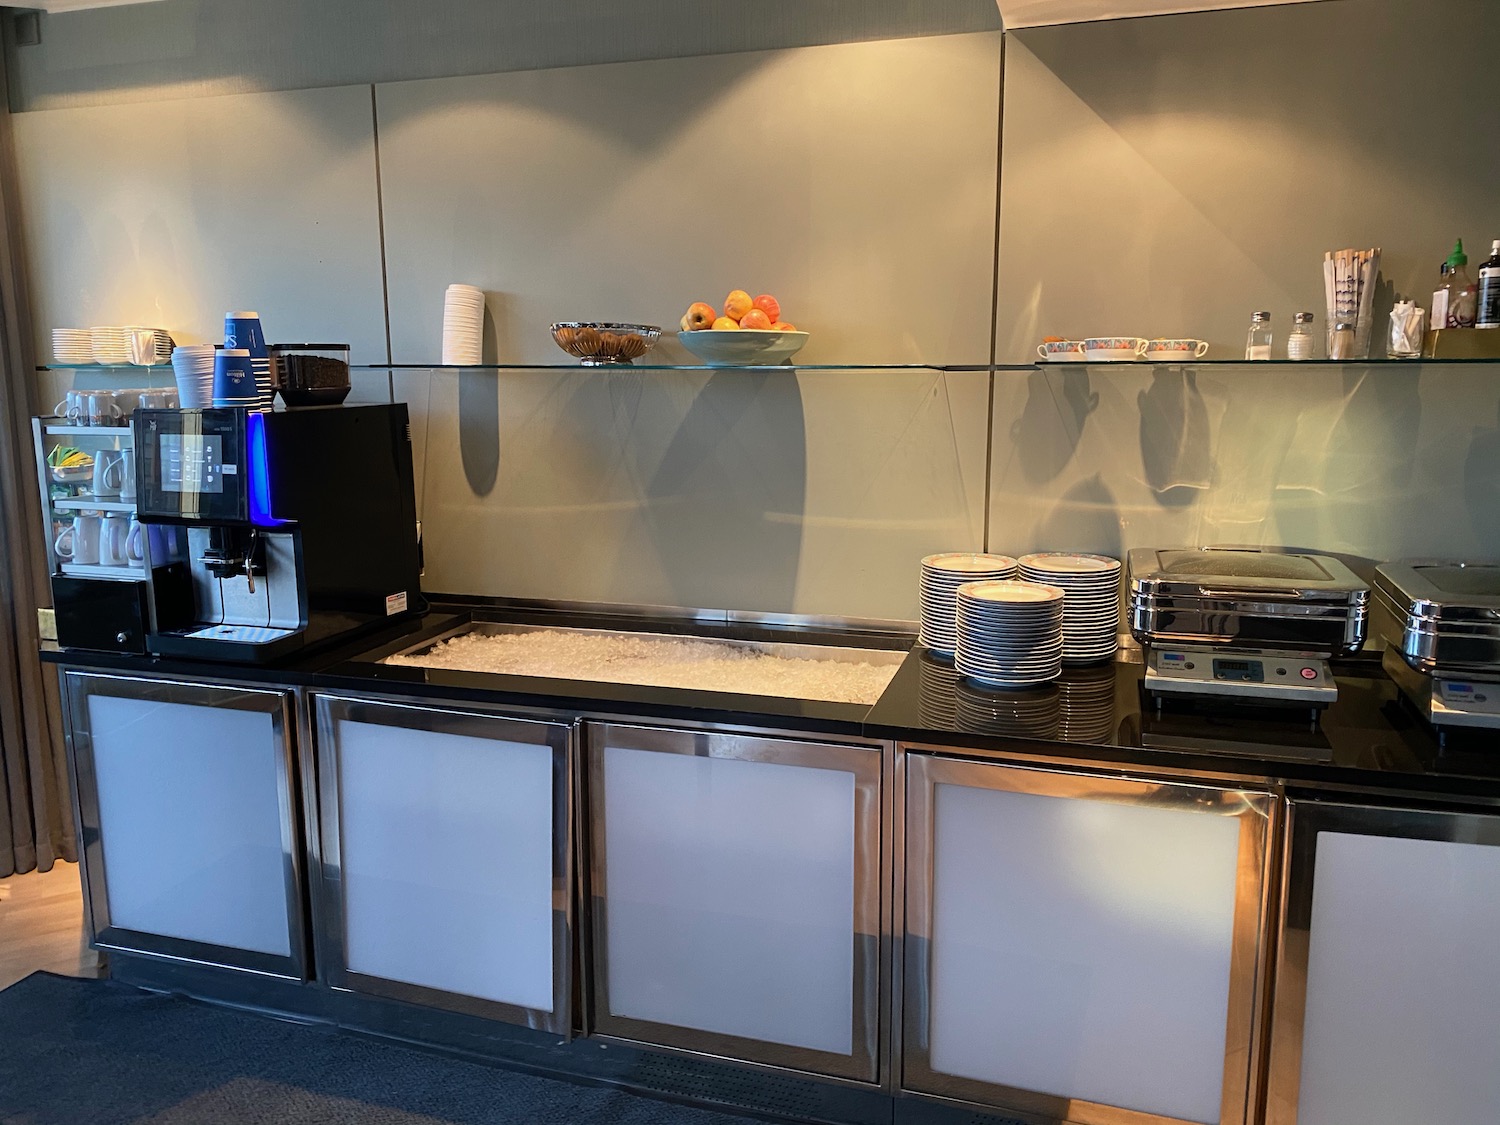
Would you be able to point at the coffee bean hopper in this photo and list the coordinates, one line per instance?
(1244, 626)
(1440, 622)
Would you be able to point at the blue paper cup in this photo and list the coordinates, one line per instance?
(243, 330)
(234, 378)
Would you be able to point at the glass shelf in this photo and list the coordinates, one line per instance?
(877, 367)
(95, 570)
(89, 504)
(67, 429)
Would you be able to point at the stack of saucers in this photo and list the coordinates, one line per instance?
(1088, 703)
(1091, 614)
(110, 345)
(1032, 713)
(942, 575)
(193, 366)
(463, 326)
(937, 681)
(72, 345)
(1009, 633)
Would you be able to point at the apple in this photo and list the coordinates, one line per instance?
(755, 318)
(725, 323)
(698, 317)
(770, 306)
(737, 304)
(783, 326)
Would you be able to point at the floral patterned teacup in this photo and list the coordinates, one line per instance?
(1060, 351)
(1114, 348)
(1176, 351)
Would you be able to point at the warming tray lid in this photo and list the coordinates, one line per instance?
(1228, 574)
(1441, 591)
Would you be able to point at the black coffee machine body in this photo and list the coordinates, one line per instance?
(275, 530)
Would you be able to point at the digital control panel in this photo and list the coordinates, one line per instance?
(191, 466)
(1287, 677)
(1465, 703)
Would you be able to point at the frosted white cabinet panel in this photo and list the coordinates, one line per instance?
(446, 853)
(1402, 1016)
(190, 821)
(1085, 937)
(730, 896)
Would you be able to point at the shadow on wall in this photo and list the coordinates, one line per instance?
(1087, 518)
(739, 453)
(1170, 175)
(1047, 433)
(1176, 442)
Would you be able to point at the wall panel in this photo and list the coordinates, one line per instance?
(169, 214)
(856, 182)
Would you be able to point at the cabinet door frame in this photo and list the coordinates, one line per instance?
(870, 936)
(1306, 819)
(558, 734)
(78, 688)
(1258, 812)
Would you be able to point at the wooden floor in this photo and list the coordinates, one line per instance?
(41, 925)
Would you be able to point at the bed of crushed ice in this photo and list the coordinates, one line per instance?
(626, 659)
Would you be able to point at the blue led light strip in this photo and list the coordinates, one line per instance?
(260, 472)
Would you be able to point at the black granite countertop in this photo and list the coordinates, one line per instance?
(1370, 739)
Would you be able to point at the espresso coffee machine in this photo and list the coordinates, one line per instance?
(275, 530)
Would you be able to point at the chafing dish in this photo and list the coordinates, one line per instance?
(1246, 599)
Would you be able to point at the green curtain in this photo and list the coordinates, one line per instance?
(36, 809)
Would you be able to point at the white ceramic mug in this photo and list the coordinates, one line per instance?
(157, 399)
(102, 409)
(127, 475)
(114, 536)
(73, 407)
(108, 472)
(79, 542)
(135, 543)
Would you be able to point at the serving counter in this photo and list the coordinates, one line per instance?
(951, 906)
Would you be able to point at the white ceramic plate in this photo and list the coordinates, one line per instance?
(742, 347)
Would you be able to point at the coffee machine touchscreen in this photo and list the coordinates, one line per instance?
(192, 463)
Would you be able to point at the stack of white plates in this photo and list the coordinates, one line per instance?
(942, 575)
(110, 345)
(1091, 614)
(1088, 703)
(194, 368)
(463, 326)
(72, 345)
(1009, 633)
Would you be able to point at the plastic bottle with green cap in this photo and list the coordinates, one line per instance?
(1456, 300)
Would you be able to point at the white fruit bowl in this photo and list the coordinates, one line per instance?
(743, 347)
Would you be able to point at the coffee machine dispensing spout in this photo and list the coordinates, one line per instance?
(234, 551)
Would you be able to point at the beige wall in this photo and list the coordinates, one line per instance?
(1158, 176)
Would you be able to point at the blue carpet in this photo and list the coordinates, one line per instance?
(80, 1052)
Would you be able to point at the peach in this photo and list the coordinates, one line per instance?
(737, 304)
(698, 317)
(770, 306)
(724, 323)
(755, 318)
(783, 326)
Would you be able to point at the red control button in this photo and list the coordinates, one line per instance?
(1309, 673)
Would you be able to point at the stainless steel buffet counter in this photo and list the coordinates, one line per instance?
(951, 906)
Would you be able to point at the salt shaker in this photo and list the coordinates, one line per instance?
(1341, 341)
(1299, 342)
